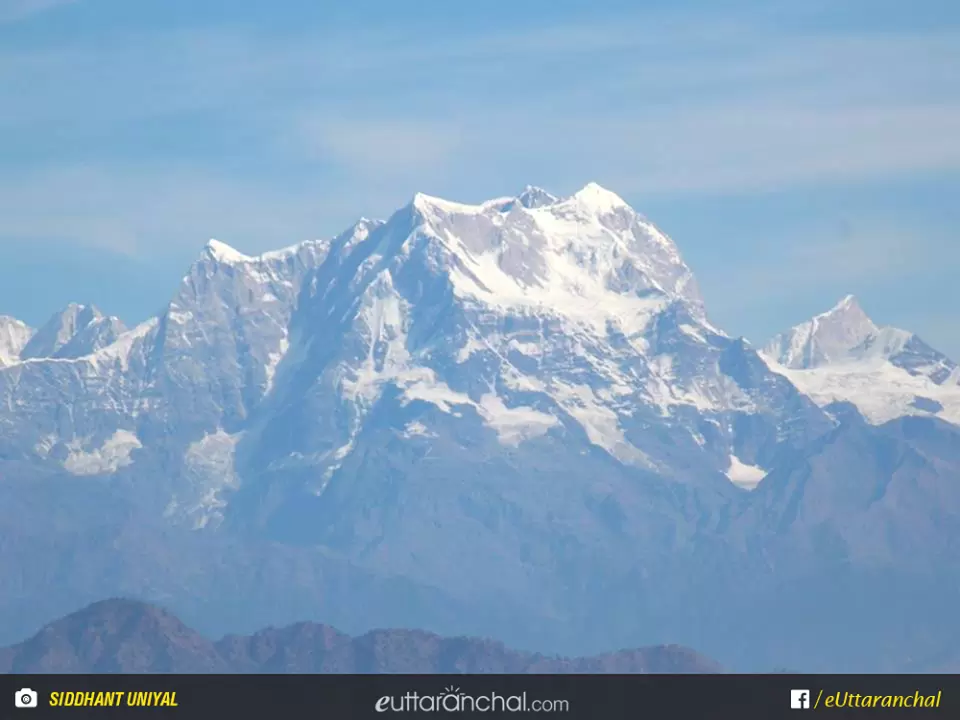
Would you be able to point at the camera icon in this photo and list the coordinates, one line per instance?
(25, 698)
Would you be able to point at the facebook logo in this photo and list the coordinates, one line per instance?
(799, 699)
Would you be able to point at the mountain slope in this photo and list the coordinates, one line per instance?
(511, 419)
(122, 636)
(842, 356)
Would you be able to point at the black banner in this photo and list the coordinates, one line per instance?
(590, 697)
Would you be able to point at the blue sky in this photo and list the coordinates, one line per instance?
(796, 152)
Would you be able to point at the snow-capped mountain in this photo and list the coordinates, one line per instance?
(843, 356)
(511, 419)
(77, 331)
(14, 335)
(536, 318)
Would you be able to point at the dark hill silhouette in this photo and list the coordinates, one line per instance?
(125, 636)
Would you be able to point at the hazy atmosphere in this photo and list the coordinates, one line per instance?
(540, 337)
(796, 152)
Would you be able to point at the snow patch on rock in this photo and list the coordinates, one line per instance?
(112, 455)
(743, 475)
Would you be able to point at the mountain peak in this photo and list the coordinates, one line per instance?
(73, 332)
(591, 197)
(534, 197)
(848, 306)
(828, 338)
(886, 372)
(598, 198)
(430, 204)
(849, 320)
(116, 636)
(532, 189)
(221, 252)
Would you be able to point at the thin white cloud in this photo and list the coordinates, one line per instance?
(723, 148)
(762, 288)
(742, 148)
(14, 10)
(740, 112)
(867, 256)
(809, 261)
(329, 128)
(645, 105)
(375, 148)
(150, 210)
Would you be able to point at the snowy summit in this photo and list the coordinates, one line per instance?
(843, 356)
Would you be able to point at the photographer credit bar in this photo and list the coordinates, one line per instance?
(593, 697)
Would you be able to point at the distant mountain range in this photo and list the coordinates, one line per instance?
(887, 373)
(511, 420)
(122, 636)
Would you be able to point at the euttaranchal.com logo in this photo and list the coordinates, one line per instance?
(452, 700)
